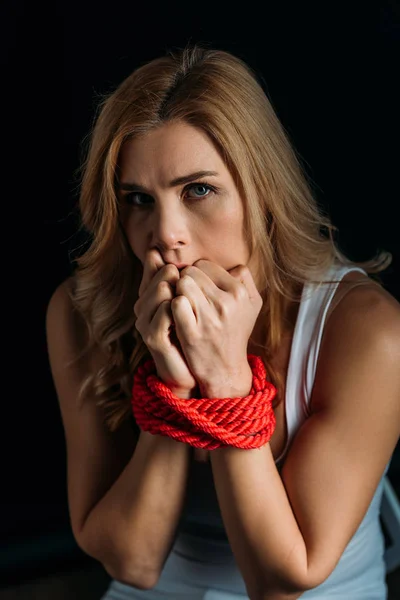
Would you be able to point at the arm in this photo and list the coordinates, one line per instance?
(124, 495)
(136, 519)
(288, 534)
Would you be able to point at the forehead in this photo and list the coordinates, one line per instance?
(172, 149)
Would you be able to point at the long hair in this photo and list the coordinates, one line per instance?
(220, 94)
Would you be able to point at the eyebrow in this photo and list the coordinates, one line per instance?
(125, 186)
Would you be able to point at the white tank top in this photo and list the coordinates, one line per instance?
(360, 572)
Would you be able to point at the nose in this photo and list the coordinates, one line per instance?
(169, 229)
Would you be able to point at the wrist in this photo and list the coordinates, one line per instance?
(158, 413)
(185, 394)
(237, 387)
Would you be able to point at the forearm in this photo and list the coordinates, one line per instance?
(259, 522)
(131, 529)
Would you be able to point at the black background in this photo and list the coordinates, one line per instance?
(331, 74)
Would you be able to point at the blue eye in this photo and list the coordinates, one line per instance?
(205, 186)
(141, 200)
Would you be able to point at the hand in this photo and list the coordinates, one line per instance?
(215, 312)
(155, 324)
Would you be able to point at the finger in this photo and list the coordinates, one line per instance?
(183, 317)
(161, 324)
(163, 331)
(157, 292)
(153, 262)
(160, 336)
(218, 275)
(228, 280)
(161, 287)
(242, 274)
(198, 288)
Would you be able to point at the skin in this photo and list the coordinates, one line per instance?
(183, 226)
(317, 502)
(200, 226)
(287, 530)
(199, 232)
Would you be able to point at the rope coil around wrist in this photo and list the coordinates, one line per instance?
(210, 423)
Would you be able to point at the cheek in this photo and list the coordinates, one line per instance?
(135, 237)
(225, 235)
(229, 225)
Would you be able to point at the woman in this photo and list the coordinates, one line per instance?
(208, 247)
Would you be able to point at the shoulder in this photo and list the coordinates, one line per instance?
(362, 332)
(66, 331)
(60, 298)
(364, 307)
(59, 305)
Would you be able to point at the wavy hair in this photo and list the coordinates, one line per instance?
(220, 94)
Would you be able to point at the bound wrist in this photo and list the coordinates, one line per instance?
(237, 387)
(212, 423)
(185, 393)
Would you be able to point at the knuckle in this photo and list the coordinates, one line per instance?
(136, 308)
(185, 279)
(164, 309)
(138, 326)
(189, 270)
(153, 338)
(178, 301)
(149, 341)
(165, 305)
(169, 271)
(243, 270)
(163, 287)
(200, 262)
(239, 292)
(225, 309)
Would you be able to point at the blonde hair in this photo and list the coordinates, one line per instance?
(217, 92)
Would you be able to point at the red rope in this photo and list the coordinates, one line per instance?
(244, 422)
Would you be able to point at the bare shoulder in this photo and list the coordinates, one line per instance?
(60, 308)
(59, 297)
(62, 292)
(66, 335)
(363, 328)
(361, 300)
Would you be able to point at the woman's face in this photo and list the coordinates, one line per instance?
(177, 195)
